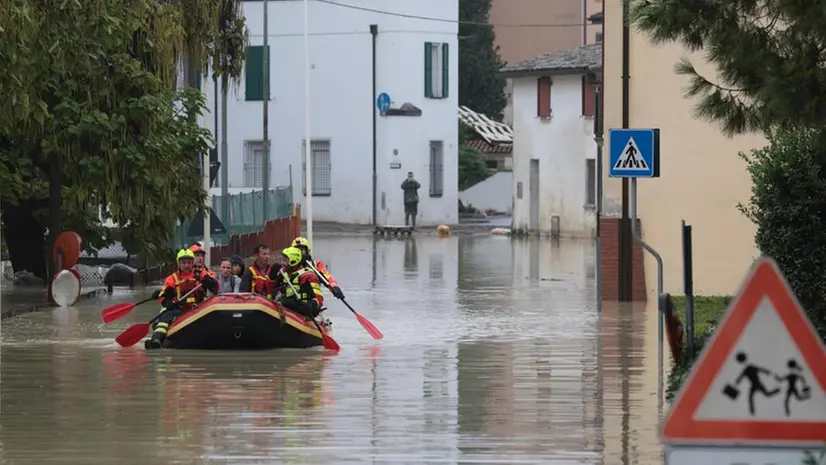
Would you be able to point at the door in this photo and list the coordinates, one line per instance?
(533, 196)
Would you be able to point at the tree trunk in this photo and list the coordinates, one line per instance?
(55, 213)
(24, 239)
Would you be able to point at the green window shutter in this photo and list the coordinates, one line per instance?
(198, 80)
(254, 74)
(445, 71)
(428, 70)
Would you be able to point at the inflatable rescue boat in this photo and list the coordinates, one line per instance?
(243, 322)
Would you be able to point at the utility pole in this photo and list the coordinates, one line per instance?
(266, 190)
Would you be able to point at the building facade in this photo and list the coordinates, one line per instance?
(529, 28)
(702, 178)
(554, 153)
(357, 169)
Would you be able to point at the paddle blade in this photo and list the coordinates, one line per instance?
(118, 311)
(329, 343)
(133, 334)
(368, 326)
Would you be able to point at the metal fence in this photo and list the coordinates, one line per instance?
(110, 263)
(245, 214)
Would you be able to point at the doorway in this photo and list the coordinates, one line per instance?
(533, 196)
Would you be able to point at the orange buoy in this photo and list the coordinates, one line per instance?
(69, 242)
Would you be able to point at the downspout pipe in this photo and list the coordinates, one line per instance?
(374, 32)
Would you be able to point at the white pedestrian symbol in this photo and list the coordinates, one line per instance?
(630, 159)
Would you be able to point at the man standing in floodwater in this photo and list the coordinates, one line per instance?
(411, 198)
(752, 373)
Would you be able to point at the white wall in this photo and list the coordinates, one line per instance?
(561, 144)
(342, 103)
(494, 192)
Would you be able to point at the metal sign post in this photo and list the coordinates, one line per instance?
(635, 153)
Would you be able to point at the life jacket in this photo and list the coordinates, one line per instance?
(261, 283)
(303, 295)
(182, 286)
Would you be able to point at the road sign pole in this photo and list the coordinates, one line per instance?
(660, 307)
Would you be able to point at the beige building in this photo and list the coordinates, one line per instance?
(529, 28)
(702, 178)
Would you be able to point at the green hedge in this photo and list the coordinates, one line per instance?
(707, 312)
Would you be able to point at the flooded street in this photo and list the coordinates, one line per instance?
(494, 353)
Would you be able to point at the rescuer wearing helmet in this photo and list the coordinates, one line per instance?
(175, 287)
(200, 257)
(323, 275)
(301, 291)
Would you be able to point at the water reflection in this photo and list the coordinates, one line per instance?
(494, 353)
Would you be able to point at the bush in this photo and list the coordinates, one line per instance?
(472, 167)
(707, 313)
(788, 204)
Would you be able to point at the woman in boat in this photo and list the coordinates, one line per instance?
(175, 287)
(301, 291)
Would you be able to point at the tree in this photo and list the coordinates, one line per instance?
(481, 88)
(768, 55)
(787, 205)
(472, 163)
(93, 121)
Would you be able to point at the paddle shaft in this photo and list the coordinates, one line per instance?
(326, 283)
(182, 298)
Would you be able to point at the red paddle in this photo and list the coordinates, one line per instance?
(118, 311)
(328, 342)
(365, 323)
(133, 334)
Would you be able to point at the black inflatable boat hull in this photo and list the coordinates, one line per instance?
(242, 322)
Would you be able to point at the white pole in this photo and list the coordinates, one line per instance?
(207, 212)
(308, 152)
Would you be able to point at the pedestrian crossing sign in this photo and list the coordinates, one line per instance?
(634, 153)
(760, 379)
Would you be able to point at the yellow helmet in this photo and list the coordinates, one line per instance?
(293, 255)
(302, 242)
(185, 253)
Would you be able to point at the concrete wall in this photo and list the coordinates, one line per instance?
(342, 103)
(561, 143)
(494, 192)
(702, 180)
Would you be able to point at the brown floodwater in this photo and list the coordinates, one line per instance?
(494, 353)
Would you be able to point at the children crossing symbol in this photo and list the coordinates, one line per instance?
(631, 159)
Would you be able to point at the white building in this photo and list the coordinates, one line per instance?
(554, 164)
(416, 64)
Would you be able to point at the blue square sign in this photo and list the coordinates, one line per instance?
(634, 153)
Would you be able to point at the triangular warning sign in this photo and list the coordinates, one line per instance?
(631, 159)
(761, 377)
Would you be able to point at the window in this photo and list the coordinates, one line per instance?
(543, 97)
(492, 164)
(437, 170)
(321, 168)
(254, 154)
(599, 37)
(587, 98)
(436, 70)
(254, 73)
(590, 181)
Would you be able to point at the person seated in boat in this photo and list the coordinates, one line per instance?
(304, 245)
(237, 265)
(175, 287)
(300, 287)
(258, 276)
(227, 280)
(200, 258)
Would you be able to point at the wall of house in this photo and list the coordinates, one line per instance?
(492, 193)
(342, 103)
(561, 143)
(702, 178)
(521, 43)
